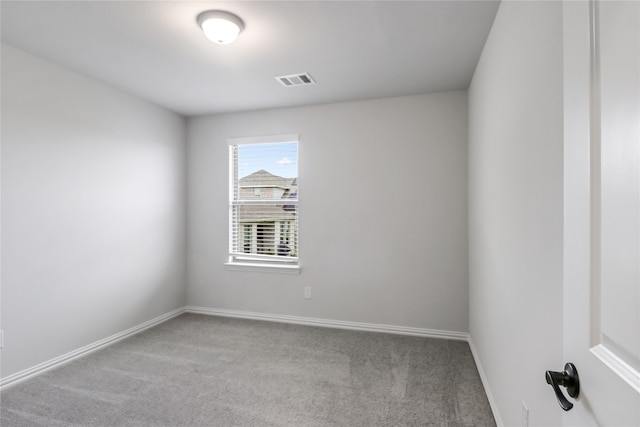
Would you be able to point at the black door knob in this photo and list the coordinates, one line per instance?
(567, 378)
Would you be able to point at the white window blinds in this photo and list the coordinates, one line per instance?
(263, 200)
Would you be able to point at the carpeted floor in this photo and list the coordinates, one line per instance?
(197, 370)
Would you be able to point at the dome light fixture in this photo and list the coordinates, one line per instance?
(219, 26)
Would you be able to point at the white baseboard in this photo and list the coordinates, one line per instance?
(339, 324)
(65, 358)
(485, 383)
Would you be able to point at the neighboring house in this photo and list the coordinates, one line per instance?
(270, 228)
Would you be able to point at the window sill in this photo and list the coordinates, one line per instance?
(263, 268)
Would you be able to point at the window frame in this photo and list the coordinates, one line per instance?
(238, 260)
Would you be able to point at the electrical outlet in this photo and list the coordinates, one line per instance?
(307, 292)
(525, 415)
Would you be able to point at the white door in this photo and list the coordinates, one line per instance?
(602, 210)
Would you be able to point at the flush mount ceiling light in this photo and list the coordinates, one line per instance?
(219, 26)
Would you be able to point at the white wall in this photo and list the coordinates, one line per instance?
(93, 211)
(516, 209)
(383, 228)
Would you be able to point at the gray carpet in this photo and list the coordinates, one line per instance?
(197, 370)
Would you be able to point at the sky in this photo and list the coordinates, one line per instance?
(280, 159)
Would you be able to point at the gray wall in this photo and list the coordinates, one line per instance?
(93, 211)
(383, 228)
(516, 209)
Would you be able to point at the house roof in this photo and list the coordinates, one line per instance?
(263, 213)
(263, 178)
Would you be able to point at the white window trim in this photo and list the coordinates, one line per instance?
(257, 263)
(262, 268)
(271, 139)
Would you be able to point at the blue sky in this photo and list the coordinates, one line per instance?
(280, 159)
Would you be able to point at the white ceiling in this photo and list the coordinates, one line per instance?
(353, 49)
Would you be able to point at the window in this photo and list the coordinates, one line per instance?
(247, 238)
(263, 203)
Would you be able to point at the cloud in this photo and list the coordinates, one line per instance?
(284, 161)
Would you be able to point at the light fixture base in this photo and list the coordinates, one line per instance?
(220, 26)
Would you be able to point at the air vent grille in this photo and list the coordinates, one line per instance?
(291, 80)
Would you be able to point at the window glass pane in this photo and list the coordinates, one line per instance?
(267, 171)
(264, 199)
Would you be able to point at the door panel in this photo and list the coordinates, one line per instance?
(602, 209)
(619, 81)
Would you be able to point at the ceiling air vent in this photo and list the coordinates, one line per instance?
(296, 80)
